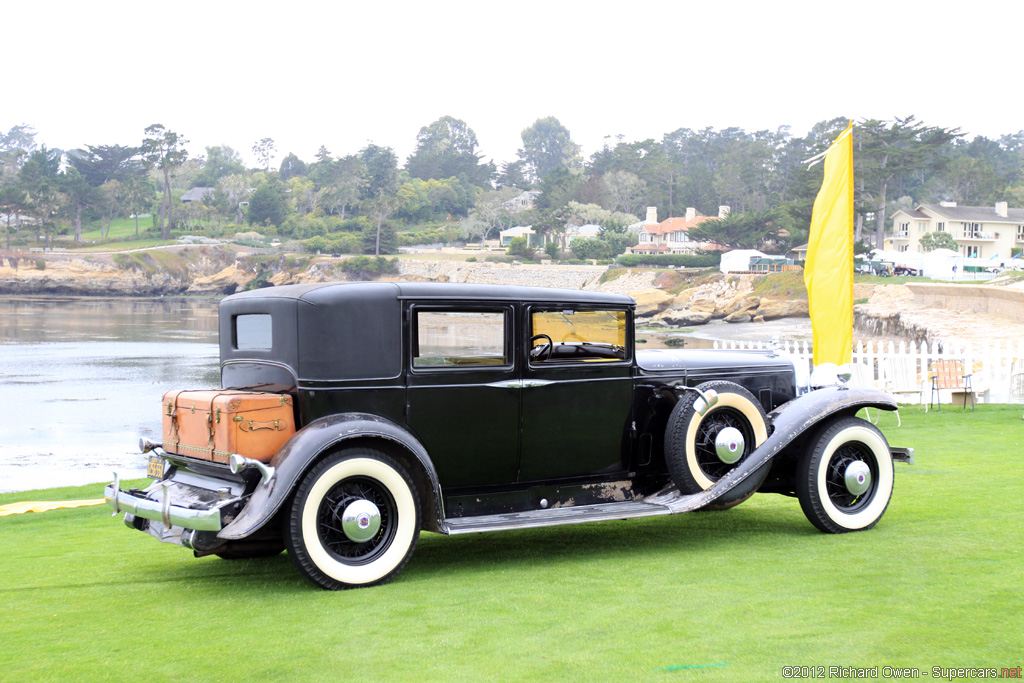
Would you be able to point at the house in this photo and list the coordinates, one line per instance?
(533, 239)
(521, 202)
(981, 232)
(581, 231)
(198, 194)
(671, 235)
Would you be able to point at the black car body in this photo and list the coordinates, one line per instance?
(467, 408)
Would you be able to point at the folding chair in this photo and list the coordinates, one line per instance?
(949, 374)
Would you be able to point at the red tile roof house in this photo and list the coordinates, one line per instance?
(671, 235)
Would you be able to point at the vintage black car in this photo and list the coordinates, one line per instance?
(466, 408)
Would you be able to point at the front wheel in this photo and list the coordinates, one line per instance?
(354, 521)
(844, 482)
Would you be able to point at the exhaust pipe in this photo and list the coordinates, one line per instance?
(237, 463)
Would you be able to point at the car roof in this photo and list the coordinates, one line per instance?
(331, 292)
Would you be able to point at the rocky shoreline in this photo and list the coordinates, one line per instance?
(671, 300)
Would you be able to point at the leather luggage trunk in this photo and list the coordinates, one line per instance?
(213, 424)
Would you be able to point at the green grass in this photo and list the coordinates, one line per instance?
(737, 594)
(119, 227)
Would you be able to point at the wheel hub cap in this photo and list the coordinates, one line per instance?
(729, 445)
(360, 521)
(857, 477)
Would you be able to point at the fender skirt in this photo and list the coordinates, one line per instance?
(788, 421)
(319, 436)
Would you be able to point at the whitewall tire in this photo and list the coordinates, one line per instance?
(844, 481)
(354, 520)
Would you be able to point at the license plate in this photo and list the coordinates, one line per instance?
(156, 467)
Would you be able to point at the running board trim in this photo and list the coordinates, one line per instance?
(553, 517)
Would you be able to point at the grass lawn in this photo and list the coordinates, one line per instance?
(718, 596)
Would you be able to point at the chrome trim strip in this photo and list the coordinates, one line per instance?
(162, 510)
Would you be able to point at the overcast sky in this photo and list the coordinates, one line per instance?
(342, 74)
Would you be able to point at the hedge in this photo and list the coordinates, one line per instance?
(670, 260)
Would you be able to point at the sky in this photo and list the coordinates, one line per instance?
(343, 74)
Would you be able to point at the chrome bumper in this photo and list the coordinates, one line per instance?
(161, 510)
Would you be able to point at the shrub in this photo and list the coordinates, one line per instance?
(369, 267)
(670, 260)
(40, 264)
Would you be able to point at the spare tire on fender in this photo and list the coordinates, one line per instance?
(736, 421)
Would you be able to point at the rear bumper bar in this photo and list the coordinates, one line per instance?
(161, 509)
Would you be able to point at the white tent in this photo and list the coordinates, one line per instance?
(738, 260)
(940, 263)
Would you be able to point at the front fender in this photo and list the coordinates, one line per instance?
(788, 421)
(305, 447)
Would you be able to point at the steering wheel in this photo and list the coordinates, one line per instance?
(540, 354)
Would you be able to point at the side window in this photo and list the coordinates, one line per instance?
(254, 332)
(569, 336)
(453, 338)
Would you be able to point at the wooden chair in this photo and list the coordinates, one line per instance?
(901, 378)
(950, 375)
(1017, 380)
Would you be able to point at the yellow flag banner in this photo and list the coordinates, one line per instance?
(828, 270)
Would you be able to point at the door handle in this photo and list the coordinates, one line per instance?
(527, 383)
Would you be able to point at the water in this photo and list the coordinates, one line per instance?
(81, 379)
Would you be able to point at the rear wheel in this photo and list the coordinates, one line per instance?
(844, 482)
(701, 449)
(354, 520)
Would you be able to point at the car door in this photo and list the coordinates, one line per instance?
(577, 392)
(463, 391)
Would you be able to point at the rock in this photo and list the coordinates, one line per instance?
(789, 308)
(685, 318)
(650, 302)
(741, 304)
(739, 317)
(227, 281)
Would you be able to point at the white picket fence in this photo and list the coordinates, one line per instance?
(991, 361)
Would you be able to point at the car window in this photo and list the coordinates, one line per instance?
(568, 336)
(444, 339)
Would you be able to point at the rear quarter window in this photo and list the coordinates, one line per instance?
(254, 332)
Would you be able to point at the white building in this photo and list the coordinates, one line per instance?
(981, 232)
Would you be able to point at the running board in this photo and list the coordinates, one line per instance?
(553, 517)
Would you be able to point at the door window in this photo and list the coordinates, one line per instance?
(570, 336)
(451, 339)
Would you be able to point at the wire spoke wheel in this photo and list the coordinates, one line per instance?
(844, 481)
(354, 520)
(703, 444)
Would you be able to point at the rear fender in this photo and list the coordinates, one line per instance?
(788, 422)
(313, 441)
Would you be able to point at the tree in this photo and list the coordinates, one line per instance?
(341, 182)
(164, 150)
(39, 177)
(136, 195)
(268, 205)
(80, 195)
(264, 150)
(101, 163)
(623, 191)
(547, 146)
(938, 240)
(292, 167)
(220, 161)
(12, 202)
(513, 174)
(447, 148)
(382, 171)
(891, 153)
(747, 230)
(380, 209)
